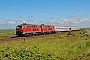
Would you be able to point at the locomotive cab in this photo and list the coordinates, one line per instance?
(19, 30)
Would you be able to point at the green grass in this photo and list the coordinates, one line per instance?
(71, 46)
(7, 33)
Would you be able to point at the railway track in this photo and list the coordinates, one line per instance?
(23, 38)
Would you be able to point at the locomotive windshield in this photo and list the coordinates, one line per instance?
(19, 26)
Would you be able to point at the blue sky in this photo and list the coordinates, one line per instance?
(54, 12)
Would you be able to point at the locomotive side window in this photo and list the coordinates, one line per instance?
(32, 26)
(38, 26)
(26, 26)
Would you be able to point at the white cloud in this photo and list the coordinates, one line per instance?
(2, 23)
(11, 22)
(72, 22)
(84, 21)
(55, 22)
(75, 22)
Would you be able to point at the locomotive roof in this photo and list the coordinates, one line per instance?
(44, 25)
(34, 25)
(28, 24)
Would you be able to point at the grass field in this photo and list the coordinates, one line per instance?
(6, 33)
(71, 46)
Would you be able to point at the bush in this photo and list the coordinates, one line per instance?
(24, 53)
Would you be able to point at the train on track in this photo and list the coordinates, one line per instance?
(32, 29)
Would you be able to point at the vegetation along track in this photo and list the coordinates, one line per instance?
(67, 46)
(15, 38)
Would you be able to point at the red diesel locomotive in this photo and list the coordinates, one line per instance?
(31, 29)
